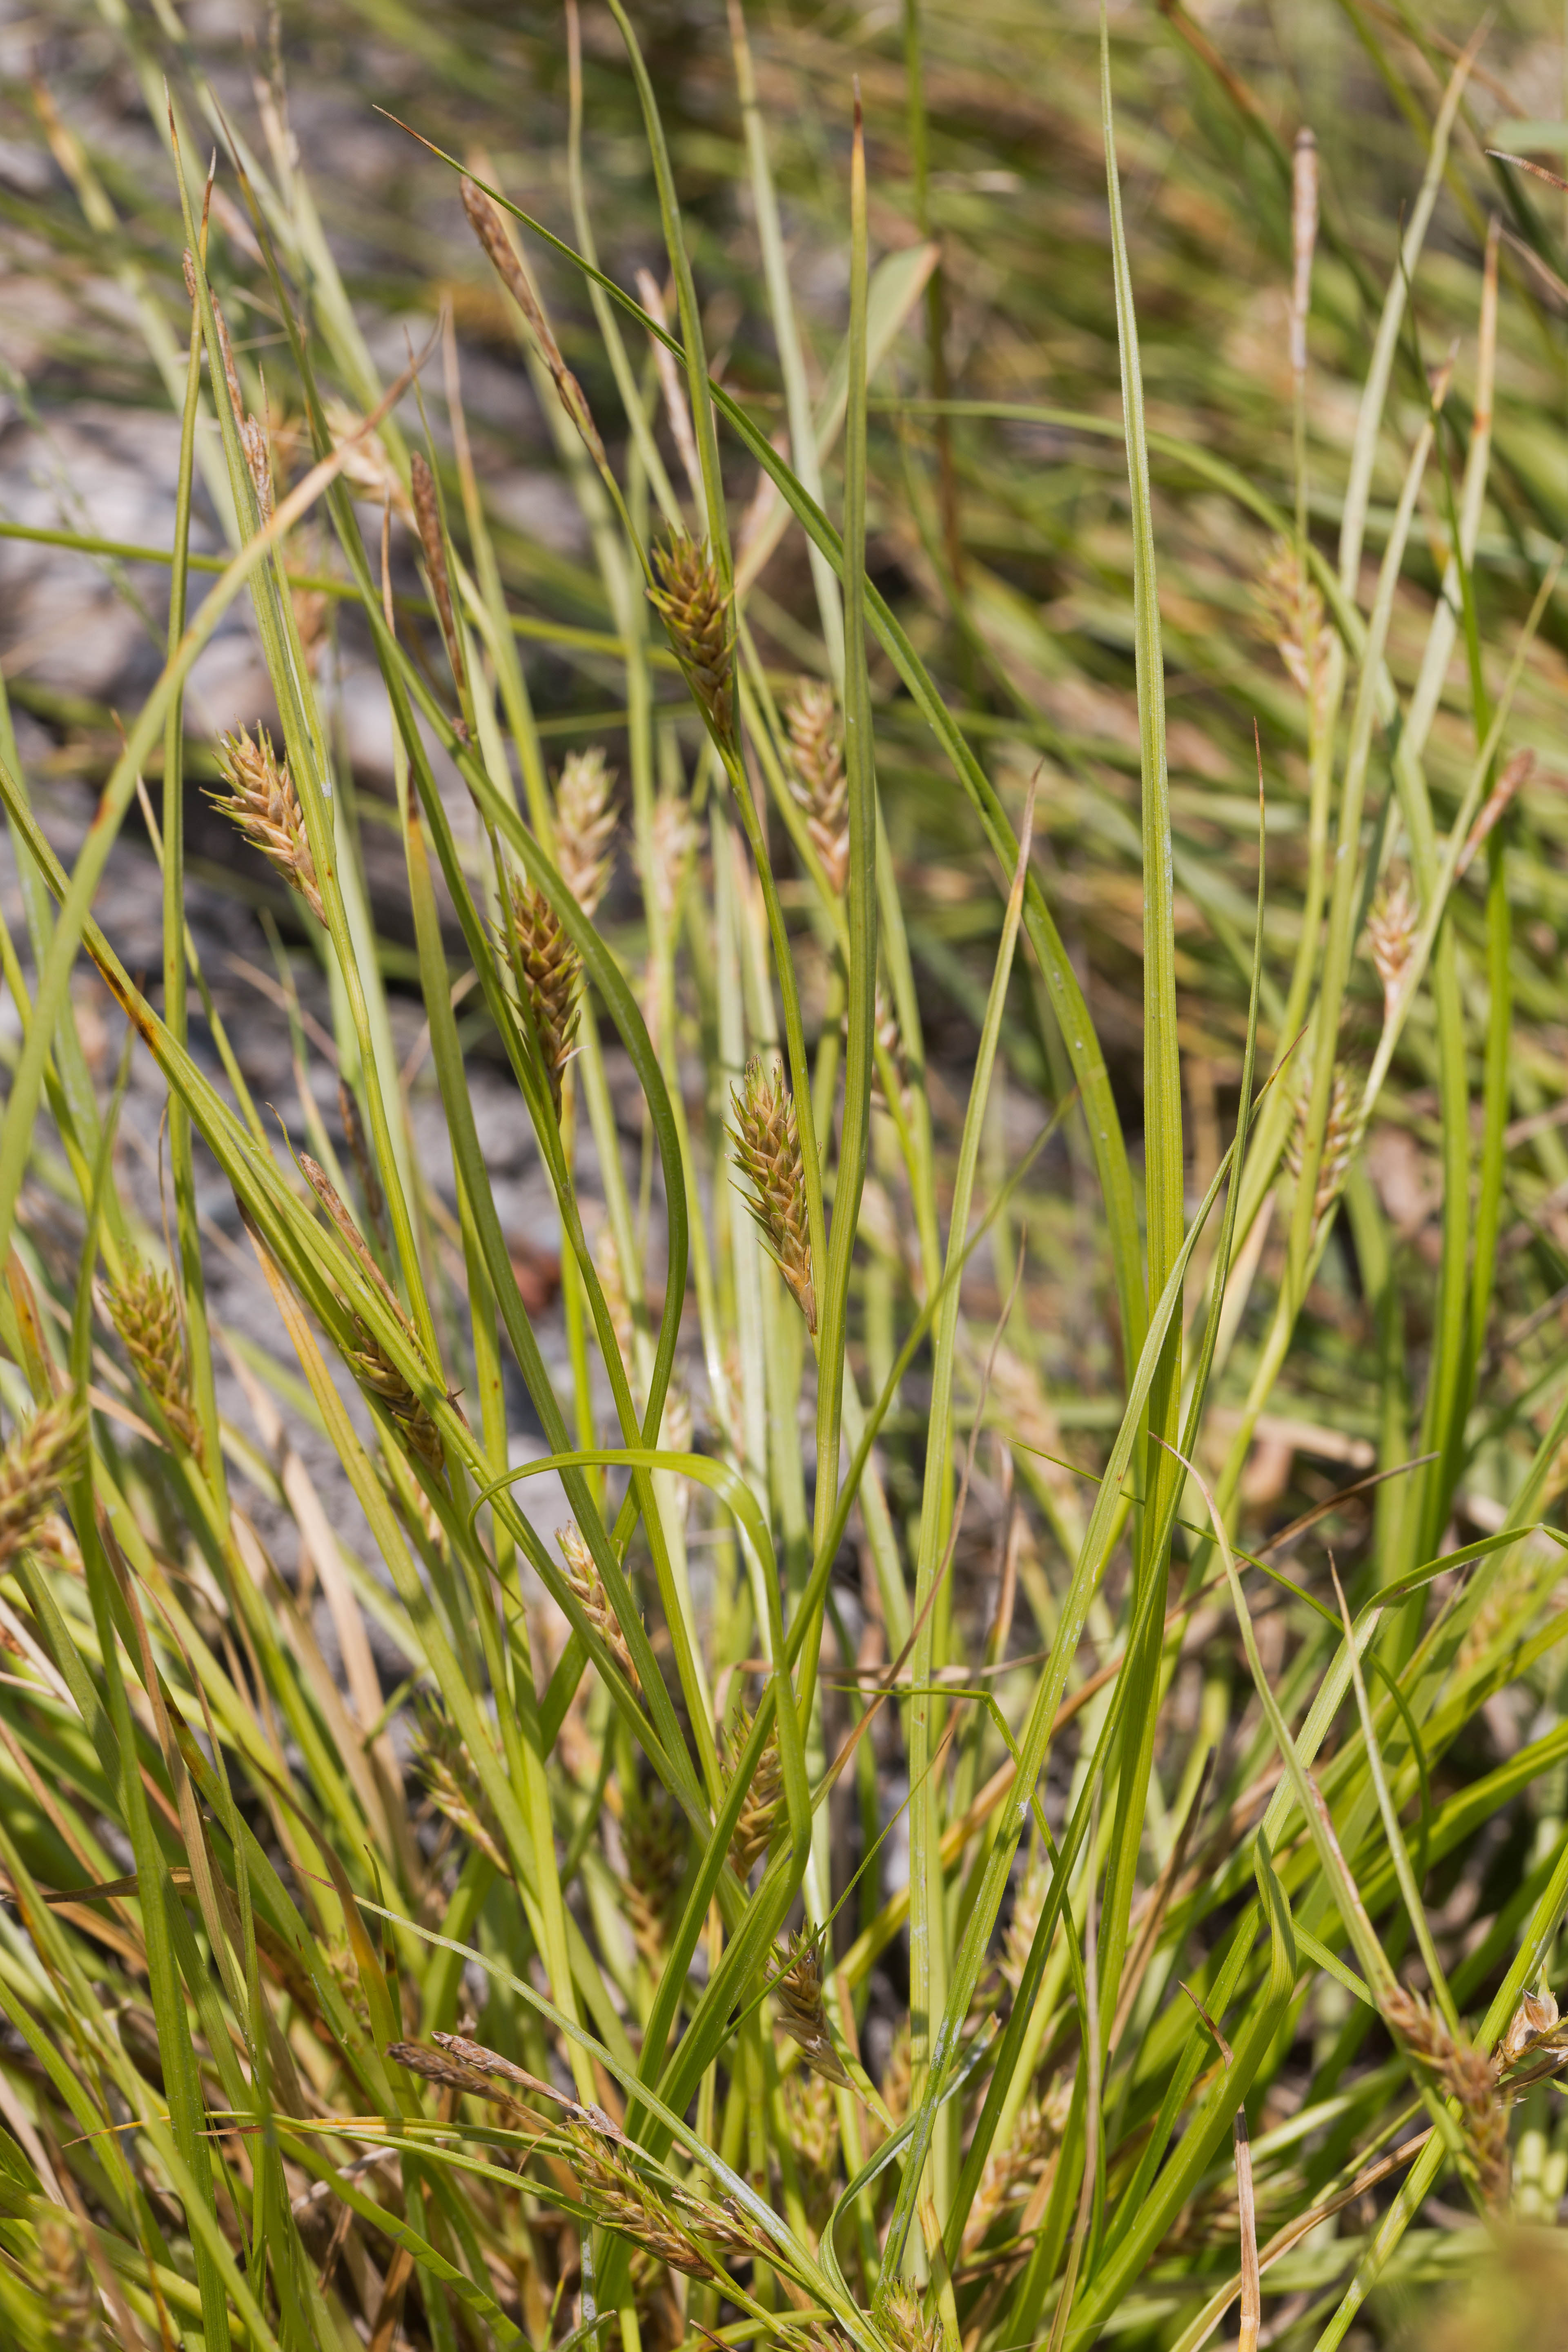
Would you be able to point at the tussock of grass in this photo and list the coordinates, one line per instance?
(930, 1718)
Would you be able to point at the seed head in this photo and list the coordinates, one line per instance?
(368, 1360)
(617, 2196)
(73, 2310)
(432, 541)
(586, 826)
(674, 839)
(802, 2011)
(145, 1309)
(696, 613)
(759, 1805)
(817, 779)
(490, 229)
(586, 1584)
(1468, 2076)
(1391, 928)
(654, 1840)
(550, 971)
(1292, 617)
(767, 1153)
(811, 2117)
(440, 1758)
(1340, 1136)
(905, 2325)
(44, 1456)
(263, 802)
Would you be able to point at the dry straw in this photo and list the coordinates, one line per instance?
(767, 1153)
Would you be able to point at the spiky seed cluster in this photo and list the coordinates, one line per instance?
(368, 1360)
(674, 2227)
(767, 1153)
(490, 229)
(550, 971)
(811, 2119)
(1292, 617)
(263, 802)
(441, 1761)
(905, 2324)
(1340, 1135)
(73, 2320)
(586, 826)
(801, 2009)
(1466, 2074)
(43, 1456)
(696, 613)
(433, 544)
(759, 1805)
(587, 1584)
(1391, 928)
(654, 1840)
(145, 1308)
(817, 778)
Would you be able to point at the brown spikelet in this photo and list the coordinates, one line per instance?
(433, 544)
(587, 1584)
(802, 2012)
(1391, 928)
(252, 432)
(451, 2073)
(263, 802)
(43, 1456)
(1468, 2076)
(368, 1360)
(697, 615)
(548, 970)
(144, 1307)
(440, 1758)
(585, 824)
(1515, 774)
(617, 2196)
(654, 1840)
(1292, 617)
(73, 2311)
(490, 228)
(767, 1153)
(760, 1806)
(817, 778)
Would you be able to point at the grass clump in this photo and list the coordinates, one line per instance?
(930, 1718)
